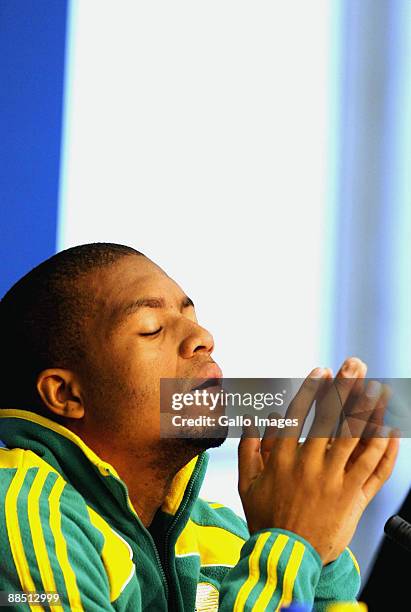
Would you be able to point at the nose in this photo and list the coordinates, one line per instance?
(197, 339)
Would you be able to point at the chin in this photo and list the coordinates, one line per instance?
(200, 439)
(201, 444)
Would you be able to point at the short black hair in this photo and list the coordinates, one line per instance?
(41, 319)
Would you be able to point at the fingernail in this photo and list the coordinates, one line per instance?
(373, 389)
(350, 368)
(317, 373)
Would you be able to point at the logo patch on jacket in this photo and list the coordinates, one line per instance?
(206, 598)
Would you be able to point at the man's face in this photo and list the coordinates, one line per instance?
(143, 328)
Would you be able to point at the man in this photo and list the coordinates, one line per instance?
(99, 508)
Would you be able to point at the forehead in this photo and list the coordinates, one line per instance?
(131, 278)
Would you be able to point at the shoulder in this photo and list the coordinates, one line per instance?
(209, 513)
(29, 484)
(47, 529)
(32, 491)
(24, 473)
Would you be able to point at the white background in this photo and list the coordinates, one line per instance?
(197, 133)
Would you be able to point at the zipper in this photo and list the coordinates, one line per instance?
(176, 520)
(164, 571)
(147, 534)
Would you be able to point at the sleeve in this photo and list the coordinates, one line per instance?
(276, 567)
(52, 545)
(339, 581)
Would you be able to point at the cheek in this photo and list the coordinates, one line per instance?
(149, 359)
(133, 368)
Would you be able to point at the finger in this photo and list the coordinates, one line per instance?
(330, 406)
(343, 430)
(300, 407)
(364, 466)
(378, 415)
(374, 426)
(250, 462)
(326, 385)
(347, 379)
(362, 411)
(383, 470)
(366, 415)
(269, 437)
(346, 449)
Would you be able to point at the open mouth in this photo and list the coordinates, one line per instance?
(209, 382)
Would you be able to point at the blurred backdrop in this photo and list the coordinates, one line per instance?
(258, 152)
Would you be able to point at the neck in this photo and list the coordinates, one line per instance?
(147, 486)
(147, 473)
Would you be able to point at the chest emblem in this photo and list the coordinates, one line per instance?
(206, 598)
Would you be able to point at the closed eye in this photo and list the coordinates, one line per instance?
(152, 333)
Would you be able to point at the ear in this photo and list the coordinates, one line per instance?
(61, 392)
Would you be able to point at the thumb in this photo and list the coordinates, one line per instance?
(250, 462)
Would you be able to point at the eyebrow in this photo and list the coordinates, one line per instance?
(149, 302)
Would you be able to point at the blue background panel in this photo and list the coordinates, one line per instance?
(32, 55)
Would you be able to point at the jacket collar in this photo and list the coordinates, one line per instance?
(85, 470)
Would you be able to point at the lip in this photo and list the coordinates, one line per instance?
(209, 372)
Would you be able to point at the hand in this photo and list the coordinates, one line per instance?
(318, 489)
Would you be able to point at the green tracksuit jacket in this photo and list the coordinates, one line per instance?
(67, 525)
